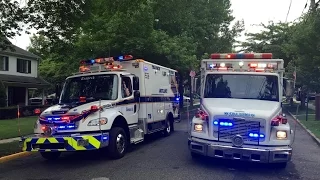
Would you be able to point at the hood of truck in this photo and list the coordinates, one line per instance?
(246, 108)
(65, 108)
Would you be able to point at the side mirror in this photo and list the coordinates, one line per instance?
(136, 83)
(57, 91)
(136, 95)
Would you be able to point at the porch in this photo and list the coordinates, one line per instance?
(18, 88)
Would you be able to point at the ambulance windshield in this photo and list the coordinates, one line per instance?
(242, 86)
(90, 88)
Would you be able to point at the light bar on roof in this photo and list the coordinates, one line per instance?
(101, 64)
(240, 65)
(106, 60)
(242, 56)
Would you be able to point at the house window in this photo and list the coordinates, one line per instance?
(4, 63)
(23, 66)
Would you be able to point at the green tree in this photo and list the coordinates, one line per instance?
(303, 46)
(175, 34)
(273, 38)
(11, 16)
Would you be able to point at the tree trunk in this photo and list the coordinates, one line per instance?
(302, 100)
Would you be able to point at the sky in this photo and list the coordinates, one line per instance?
(251, 11)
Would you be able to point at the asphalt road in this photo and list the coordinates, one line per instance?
(165, 158)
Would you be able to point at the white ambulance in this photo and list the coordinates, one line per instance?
(240, 115)
(111, 102)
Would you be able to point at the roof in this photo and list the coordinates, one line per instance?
(23, 80)
(19, 52)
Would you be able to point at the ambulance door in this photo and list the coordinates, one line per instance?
(129, 106)
(147, 98)
(175, 85)
(159, 92)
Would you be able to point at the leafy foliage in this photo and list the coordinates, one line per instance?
(173, 33)
(11, 17)
(273, 38)
(298, 44)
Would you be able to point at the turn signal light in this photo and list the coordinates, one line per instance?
(279, 119)
(202, 115)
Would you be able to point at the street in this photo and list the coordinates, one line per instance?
(165, 158)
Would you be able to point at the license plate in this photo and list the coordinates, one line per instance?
(83, 142)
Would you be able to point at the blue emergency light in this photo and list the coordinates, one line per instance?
(256, 135)
(223, 123)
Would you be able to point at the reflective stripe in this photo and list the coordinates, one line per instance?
(68, 143)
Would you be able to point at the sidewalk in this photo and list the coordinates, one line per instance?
(4, 141)
(310, 105)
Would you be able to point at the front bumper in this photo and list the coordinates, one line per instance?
(249, 153)
(68, 143)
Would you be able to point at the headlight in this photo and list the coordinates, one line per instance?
(198, 127)
(281, 134)
(96, 122)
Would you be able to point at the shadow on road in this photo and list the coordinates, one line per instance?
(101, 155)
(240, 168)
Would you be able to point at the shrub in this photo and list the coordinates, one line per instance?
(25, 111)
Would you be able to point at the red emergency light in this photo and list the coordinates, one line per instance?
(242, 56)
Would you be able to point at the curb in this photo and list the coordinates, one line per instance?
(14, 156)
(305, 128)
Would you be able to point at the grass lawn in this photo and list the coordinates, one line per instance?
(9, 148)
(293, 110)
(312, 124)
(10, 129)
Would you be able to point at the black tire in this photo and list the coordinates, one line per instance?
(172, 124)
(195, 155)
(118, 143)
(50, 155)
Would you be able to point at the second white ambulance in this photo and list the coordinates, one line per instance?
(240, 116)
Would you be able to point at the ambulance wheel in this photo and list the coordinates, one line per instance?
(50, 155)
(118, 143)
(168, 129)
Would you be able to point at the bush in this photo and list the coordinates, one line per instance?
(25, 111)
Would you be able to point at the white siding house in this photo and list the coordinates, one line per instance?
(18, 73)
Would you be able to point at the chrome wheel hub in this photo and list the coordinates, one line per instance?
(121, 142)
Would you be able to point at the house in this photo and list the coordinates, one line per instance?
(19, 73)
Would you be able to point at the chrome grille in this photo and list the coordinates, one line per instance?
(240, 127)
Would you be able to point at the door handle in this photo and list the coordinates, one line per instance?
(134, 108)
